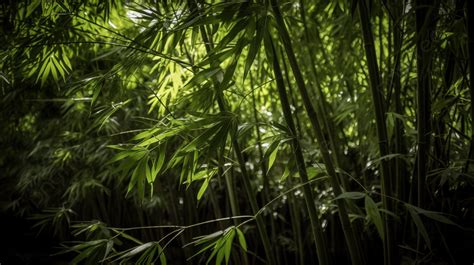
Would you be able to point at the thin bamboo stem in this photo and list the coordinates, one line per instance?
(318, 234)
(380, 112)
(351, 238)
(239, 155)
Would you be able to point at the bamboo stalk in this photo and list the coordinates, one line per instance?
(380, 112)
(263, 164)
(351, 238)
(425, 24)
(399, 181)
(322, 104)
(239, 155)
(318, 234)
(296, 223)
(470, 36)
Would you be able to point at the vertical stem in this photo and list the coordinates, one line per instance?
(263, 163)
(400, 171)
(399, 181)
(470, 36)
(322, 104)
(321, 249)
(296, 223)
(239, 155)
(351, 238)
(425, 22)
(380, 112)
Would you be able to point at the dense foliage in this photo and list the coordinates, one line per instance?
(243, 131)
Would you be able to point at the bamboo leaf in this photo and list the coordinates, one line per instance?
(419, 225)
(286, 173)
(159, 137)
(217, 247)
(271, 158)
(83, 255)
(146, 134)
(353, 195)
(255, 44)
(271, 152)
(236, 29)
(207, 238)
(202, 76)
(137, 250)
(159, 162)
(229, 71)
(110, 244)
(228, 245)
(241, 237)
(162, 255)
(220, 256)
(203, 189)
(374, 215)
(436, 216)
(148, 172)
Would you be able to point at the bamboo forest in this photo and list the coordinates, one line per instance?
(237, 132)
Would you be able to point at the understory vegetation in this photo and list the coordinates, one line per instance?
(237, 132)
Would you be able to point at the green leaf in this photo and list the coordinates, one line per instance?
(137, 177)
(206, 238)
(185, 169)
(159, 162)
(312, 172)
(145, 134)
(217, 247)
(241, 237)
(271, 158)
(386, 157)
(203, 189)
(53, 69)
(137, 250)
(374, 215)
(134, 154)
(229, 71)
(208, 246)
(127, 236)
(120, 156)
(133, 181)
(217, 58)
(32, 7)
(202, 76)
(271, 153)
(159, 137)
(220, 256)
(83, 255)
(419, 225)
(286, 173)
(147, 256)
(437, 216)
(162, 255)
(148, 172)
(353, 195)
(110, 244)
(45, 74)
(67, 62)
(202, 139)
(236, 29)
(228, 245)
(255, 44)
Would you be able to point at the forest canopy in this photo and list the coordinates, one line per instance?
(237, 131)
